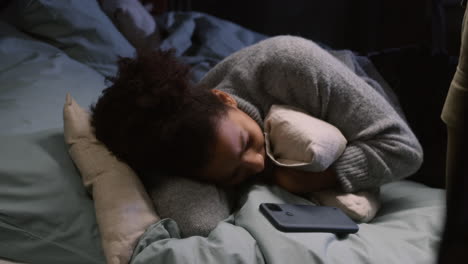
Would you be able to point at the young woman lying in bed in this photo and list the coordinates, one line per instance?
(153, 117)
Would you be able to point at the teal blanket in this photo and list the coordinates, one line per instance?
(406, 230)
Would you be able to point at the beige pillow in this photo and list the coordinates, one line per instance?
(297, 140)
(360, 206)
(123, 208)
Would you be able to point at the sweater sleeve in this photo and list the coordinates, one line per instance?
(295, 71)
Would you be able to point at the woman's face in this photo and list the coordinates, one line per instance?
(239, 150)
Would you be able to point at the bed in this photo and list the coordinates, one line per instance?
(51, 48)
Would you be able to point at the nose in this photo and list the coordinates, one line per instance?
(254, 163)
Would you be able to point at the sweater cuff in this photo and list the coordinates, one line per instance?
(351, 169)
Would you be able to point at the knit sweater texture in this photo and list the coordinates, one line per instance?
(294, 71)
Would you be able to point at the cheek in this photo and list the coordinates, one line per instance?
(260, 138)
(256, 132)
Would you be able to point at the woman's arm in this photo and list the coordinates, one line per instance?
(381, 146)
(297, 181)
(297, 72)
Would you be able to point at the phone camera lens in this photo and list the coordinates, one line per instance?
(274, 207)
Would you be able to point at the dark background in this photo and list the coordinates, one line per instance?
(361, 25)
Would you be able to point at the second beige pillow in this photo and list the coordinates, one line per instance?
(123, 208)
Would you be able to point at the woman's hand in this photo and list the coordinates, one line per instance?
(297, 181)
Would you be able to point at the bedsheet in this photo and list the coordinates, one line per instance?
(202, 40)
(406, 230)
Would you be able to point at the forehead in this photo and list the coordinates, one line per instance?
(227, 145)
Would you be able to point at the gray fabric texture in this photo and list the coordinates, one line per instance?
(196, 207)
(77, 27)
(294, 71)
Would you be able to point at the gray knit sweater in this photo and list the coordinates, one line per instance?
(295, 71)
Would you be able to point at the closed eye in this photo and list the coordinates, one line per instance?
(244, 141)
(247, 143)
(235, 175)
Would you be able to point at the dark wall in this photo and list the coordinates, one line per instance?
(325, 21)
(362, 25)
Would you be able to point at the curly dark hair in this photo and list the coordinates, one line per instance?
(154, 117)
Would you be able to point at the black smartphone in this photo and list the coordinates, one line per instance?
(308, 218)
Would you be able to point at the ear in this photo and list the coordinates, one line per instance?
(225, 97)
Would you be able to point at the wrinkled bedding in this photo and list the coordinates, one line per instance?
(406, 230)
